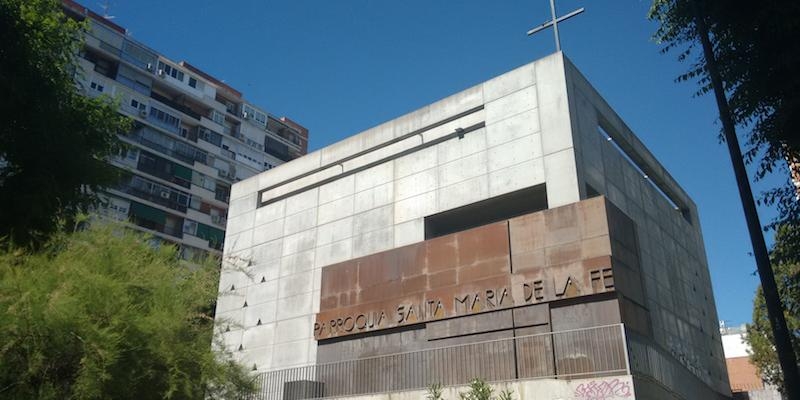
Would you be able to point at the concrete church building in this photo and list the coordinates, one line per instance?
(517, 231)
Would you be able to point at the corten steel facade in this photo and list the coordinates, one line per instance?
(519, 225)
(193, 136)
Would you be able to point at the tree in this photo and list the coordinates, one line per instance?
(758, 56)
(101, 313)
(786, 259)
(53, 140)
(729, 55)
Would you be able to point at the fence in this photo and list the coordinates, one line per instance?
(580, 353)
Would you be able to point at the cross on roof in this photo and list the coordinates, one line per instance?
(554, 22)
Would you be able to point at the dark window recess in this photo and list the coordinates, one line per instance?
(154, 192)
(484, 212)
(166, 145)
(215, 236)
(105, 67)
(222, 193)
(192, 134)
(277, 149)
(165, 169)
(155, 219)
(284, 131)
(209, 136)
(174, 104)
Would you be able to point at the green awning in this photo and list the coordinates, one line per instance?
(213, 235)
(182, 172)
(149, 213)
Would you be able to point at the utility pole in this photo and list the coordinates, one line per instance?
(783, 344)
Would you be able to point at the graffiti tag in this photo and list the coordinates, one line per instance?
(603, 390)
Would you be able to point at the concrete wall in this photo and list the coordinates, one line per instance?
(371, 192)
(607, 388)
(524, 140)
(678, 292)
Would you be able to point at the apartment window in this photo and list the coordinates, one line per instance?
(103, 67)
(209, 136)
(96, 86)
(276, 148)
(203, 181)
(229, 107)
(138, 55)
(164, 117)
(189, 227)
(157, 193)
(132, 154)
(183, 199)
(261, 118)
(170, 70)
(192, 82)
(248, 112)
(217, 117)
(254, 144)
(138, 105)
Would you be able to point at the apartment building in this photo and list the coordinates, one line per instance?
(746, 383)
(193, 136)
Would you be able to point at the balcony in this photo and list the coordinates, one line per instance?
(229, 154)
(155, 193)
(160, 228)
(228, 179)
(566, 355)
(219, 220)
(284, 132)
(222, 195)
(174, 105)
(167, 146)
(164, 169)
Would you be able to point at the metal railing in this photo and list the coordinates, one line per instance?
(580, 353)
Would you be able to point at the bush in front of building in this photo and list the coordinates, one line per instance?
(478, 389)
(102, 313)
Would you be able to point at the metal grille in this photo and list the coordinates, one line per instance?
(580, 353)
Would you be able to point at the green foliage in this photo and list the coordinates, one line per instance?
(101, 314)
(786, 265)
(53, 140)
(434, 392)
(758, 56)
(478, 390)
(506, 394)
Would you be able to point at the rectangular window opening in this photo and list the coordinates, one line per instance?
(514, 204)
(685, 213)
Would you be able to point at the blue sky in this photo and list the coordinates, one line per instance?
(339, 67)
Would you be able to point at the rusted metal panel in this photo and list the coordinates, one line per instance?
(555, 254)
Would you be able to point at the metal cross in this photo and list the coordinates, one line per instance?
(554, 22)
